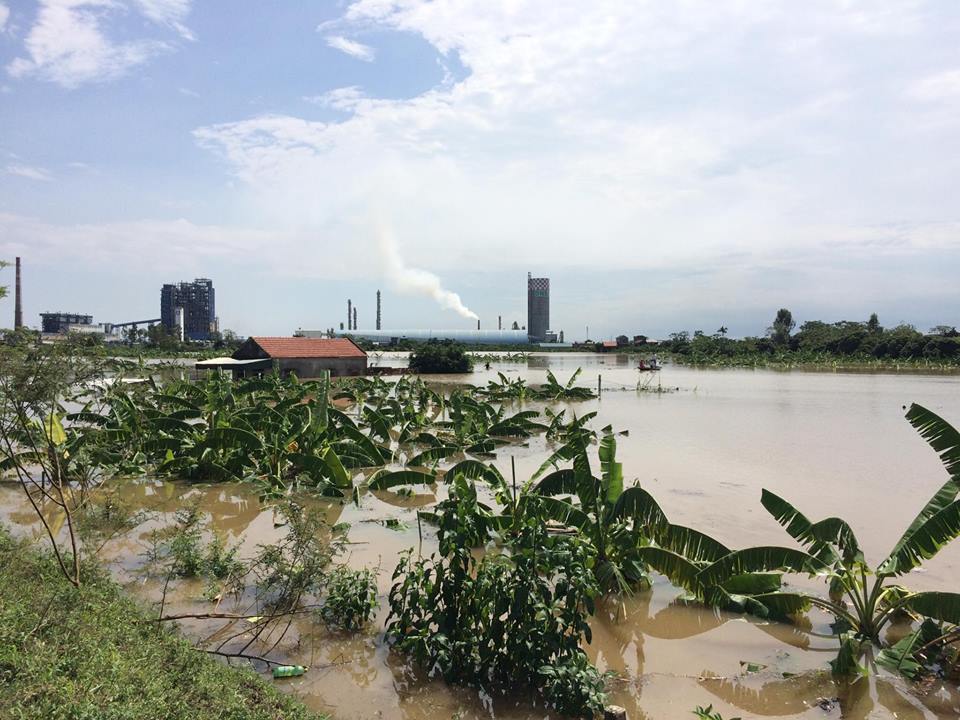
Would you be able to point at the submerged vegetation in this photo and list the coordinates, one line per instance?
(509, 621)
(441, 356)
(504, 605)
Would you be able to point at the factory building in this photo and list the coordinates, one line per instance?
(538, 308)
(61, 322)
(191, 306)
(467, 337)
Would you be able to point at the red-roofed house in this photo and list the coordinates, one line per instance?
(305, 357)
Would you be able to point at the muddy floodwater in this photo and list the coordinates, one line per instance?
(832, 443)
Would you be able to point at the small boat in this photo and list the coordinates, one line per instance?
(650, 365)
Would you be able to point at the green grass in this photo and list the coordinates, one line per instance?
(76, 654)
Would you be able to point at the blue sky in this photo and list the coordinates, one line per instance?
(668, 165)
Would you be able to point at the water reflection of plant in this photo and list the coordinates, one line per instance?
(861, 607)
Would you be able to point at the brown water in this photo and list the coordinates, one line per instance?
(831, 443)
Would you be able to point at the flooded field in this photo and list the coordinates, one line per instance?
(831, 443)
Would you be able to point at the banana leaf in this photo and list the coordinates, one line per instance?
(559, 511)
(691, 544)
(433, 455)
(899, 657)
(924, 542)
(676, 568)
(760, 559)
(559, 482)
(475, 470)
(797, 525)
(611, 471)
(753, 583)
(638, 505)
(942, 606)
(386, 479)
(940, 435)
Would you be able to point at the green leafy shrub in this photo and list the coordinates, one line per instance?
(190, 556)
(509, 621)
(351, 598)
(298, 564)
(707, 713)
(440, 356)
(572, 685)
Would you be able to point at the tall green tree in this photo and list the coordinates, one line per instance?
(783, 325)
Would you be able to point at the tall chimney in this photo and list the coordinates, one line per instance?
(478, 323)
(18, 306)
(354, 317)
(378, 309)
(499, 322)
(349, 314)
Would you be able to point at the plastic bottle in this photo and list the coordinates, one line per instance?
(284, 671)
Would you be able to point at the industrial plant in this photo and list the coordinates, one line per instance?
(189, 308)
(538, 308)
(536, 331)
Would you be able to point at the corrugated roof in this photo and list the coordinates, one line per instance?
(301, 347)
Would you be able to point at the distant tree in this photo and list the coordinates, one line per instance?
(440, 356)
(873, 324)
(722, 331)
(783, 324)
(944, 331)
(516, 326)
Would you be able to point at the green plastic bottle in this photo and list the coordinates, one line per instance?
(284, 671)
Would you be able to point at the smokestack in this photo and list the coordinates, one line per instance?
(354, 317)
(378, 309)
(18, 306)
(478, 325)
(349, 314)
(499, 322)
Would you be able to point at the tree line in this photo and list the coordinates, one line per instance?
(817, 340)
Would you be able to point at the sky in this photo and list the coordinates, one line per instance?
(668, 166)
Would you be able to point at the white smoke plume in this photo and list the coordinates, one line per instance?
(413, 281)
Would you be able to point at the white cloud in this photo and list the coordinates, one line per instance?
(188, 92)
(171, 245)
(4, 16)
(939, 86)
(352, 48)
(161, 243)
(171, 13)
(28, 171)
(69, 45)
(345, 98)
(638, 135)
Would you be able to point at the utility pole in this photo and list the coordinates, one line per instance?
(18, 302)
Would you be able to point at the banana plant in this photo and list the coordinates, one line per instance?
(616, 519)
(505, 389)
(830, 548)
(682, 554)
(553, 389)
